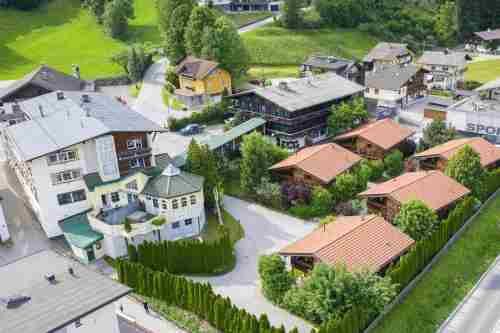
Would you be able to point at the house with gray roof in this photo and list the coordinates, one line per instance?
(44, 80)
(386, 54)
(47, 292)
(392, 86)
(296, 110)
(446, 69)
(69, 136)
(350, 69)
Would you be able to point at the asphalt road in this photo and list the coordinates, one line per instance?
(479, 311)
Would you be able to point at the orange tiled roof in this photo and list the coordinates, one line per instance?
(385, 133)
(488, 152)
(354, 241)
(434, 188)
(324, 162)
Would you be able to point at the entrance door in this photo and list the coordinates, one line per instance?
(90, 254)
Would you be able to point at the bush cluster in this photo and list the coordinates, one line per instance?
(210, 115)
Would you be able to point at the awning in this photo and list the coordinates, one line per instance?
(78, 232)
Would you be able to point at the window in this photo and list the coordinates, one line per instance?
(98, 245)
(71, 197)
(66, 176)
(148, 198)
(175, 204)
(188, 222)
(163, 205)
(134, 144)
(192, 198)
(155, 203)
(176, 225)
(376, 91)
(63, 157)
(78, 323)
(132, 185)
(184, 201)
(136, 163)
(115, 196)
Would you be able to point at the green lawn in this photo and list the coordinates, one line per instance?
(210, 233)
(272, 45)
(442, 289)
(61, 33)
(483, 71)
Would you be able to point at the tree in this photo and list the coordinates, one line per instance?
(436, 133)
(446, 26)
(172, 78)
(202, 17)
(258, 154)
(465, 167)
(322, 201)
(416, 220)
(116, 17)
(345, 187)
(394, 163)
(173, 40)
(291, 15)
(223, 44)
(276, 281)
(346, 116)
(134, 66)
(330, 292)
(165, 12)
(269, 193)
(97, 8)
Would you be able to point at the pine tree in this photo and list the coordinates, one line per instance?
(264, 323)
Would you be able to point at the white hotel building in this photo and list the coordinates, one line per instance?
(84, 161)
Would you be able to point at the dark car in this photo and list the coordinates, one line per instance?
(192, 129)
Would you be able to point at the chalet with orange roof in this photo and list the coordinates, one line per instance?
(376, 139)
(316, 165)
(438, 191)
(437, 158)
(358, 242)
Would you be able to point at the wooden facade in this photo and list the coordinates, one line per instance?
(368, 149)
(132, 156)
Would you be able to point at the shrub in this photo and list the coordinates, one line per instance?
(322, 201)
(377, 169)
(394, 163)
(276, 281)
(345, 187)
(465, 167)
(172, 78)
(158, 221)
(491, 183)
(211, 114)
(127, 225)
(302, 211)
(416, 219)
(269, 194)
(295, 194)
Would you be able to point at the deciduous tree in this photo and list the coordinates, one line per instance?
(416, 219)
(202, 17)
(465, 167)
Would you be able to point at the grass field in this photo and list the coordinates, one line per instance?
(273, 45)
(211, 234)
(444, 287)
(483, 71)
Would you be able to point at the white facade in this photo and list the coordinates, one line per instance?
(444, 77)
(388, 98)
(4, 231)
(102, 320)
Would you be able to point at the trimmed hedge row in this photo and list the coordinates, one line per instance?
(186, 256)
(195, 297)
(353, 321)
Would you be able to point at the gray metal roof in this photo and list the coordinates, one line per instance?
(170, 186)
(52, 306)
(216, 141)
(47, 78)
(57, 124)
(308, 92)
(442, 58)
(327, 62)
(390, 77)
(386, 51)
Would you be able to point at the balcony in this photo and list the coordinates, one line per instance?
(133, 153)
(303, 264)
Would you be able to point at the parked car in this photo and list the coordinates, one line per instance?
(192, 129)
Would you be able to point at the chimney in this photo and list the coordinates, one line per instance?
(85, 98)
(283, 85)
(71, 271)
(59, 95)
(50, 277)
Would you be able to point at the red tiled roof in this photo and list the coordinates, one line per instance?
(488, 152)
(385, 133)
(354, 241)
(324, 162)
(434, 188)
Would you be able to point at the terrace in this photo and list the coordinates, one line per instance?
(135, 212)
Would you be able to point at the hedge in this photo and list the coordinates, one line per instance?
(186, 256)
(194, 297)
(210, 115)
(491, 183)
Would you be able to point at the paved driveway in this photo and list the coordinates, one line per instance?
(478, 313)
(266, 232)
